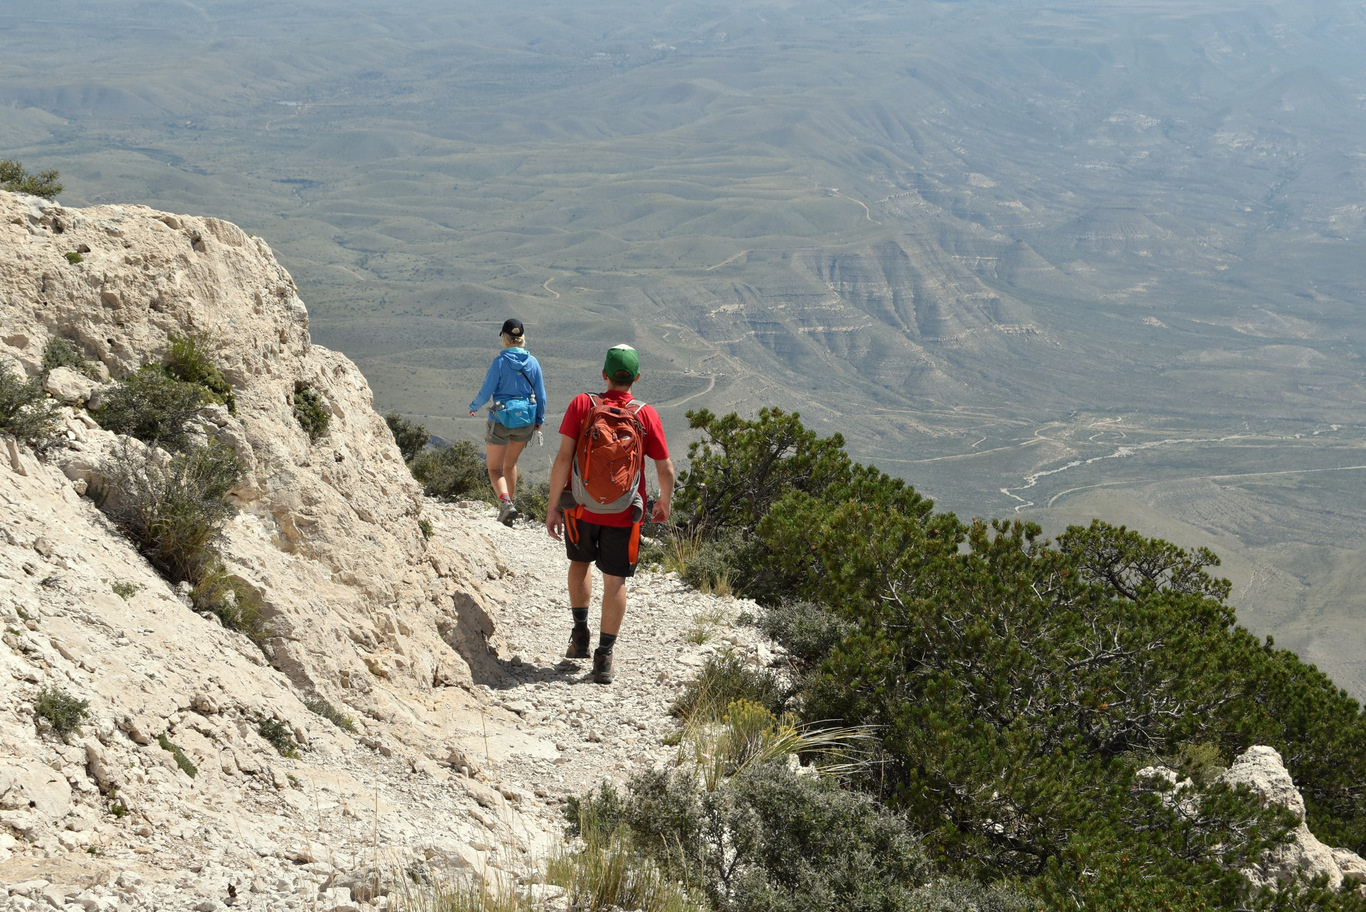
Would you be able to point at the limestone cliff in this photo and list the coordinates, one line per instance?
(366, 613)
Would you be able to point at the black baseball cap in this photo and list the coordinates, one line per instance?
(512, 327)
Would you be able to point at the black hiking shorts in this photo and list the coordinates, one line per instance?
(606, 547)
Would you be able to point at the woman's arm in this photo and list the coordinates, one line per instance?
(485, 391)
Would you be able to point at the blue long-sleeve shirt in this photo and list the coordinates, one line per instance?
(515, 373)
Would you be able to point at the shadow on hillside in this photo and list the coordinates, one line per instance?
(469, 630)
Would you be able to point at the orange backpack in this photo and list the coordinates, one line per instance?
(609, 458)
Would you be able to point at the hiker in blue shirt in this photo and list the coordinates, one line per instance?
(515, 384)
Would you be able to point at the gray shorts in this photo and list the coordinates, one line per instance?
(497, 435)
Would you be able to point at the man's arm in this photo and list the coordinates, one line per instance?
(664, 468)
(559, 477)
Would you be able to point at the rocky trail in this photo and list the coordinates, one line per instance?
(336, 828)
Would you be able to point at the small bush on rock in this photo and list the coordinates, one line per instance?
(329, 712)
(310, 409)
(60, 712)
(182, 761)
(279, 736)
(26, 413)
(191, 361)
(411, 437)
(15, 178)
(175, 509)
(232, 600)
(61, 352)
(152, 406)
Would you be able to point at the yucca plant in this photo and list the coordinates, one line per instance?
(750, 735)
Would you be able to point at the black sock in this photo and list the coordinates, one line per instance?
(606, 641)
(580, 617)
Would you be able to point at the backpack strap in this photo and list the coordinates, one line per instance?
(633, 546)
(531, 394)
(571, 523)
(632, 405)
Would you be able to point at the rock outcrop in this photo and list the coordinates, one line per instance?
(1261, 769)
(331, 525)
(367, 615)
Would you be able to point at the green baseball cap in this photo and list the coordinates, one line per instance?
(622, 364)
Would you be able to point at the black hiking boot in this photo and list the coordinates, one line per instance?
(579, 638)
(602, 667)
(507, 513)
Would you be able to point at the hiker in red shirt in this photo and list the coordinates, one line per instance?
(608, 539)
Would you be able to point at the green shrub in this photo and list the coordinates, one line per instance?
(73, 257)
(191, 361)
(1016, 685)
(1009, 675)
(451, 472)
(14, 178)
(807, 630)
(26, 413)
(739, 468)
(182, 761)
(125, 590)
(954, 894)
(607, 871)
(719, 560)
(60, 712)
(174, 509)
(279, 736)
(232, 600)
(768, 839)
(310, 409)
(718, 564)
(318, 705)
(723, 680)
(532, 500)
(425, 527)
(152, 406)
(59, 352)
(410, 436)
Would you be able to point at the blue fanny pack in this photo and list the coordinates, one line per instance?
(519, 411)
(514, 413)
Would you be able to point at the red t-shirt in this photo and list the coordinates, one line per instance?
(656, 447)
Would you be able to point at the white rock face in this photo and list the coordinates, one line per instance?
(329, 529)
(388, 627)
(1261, 769)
